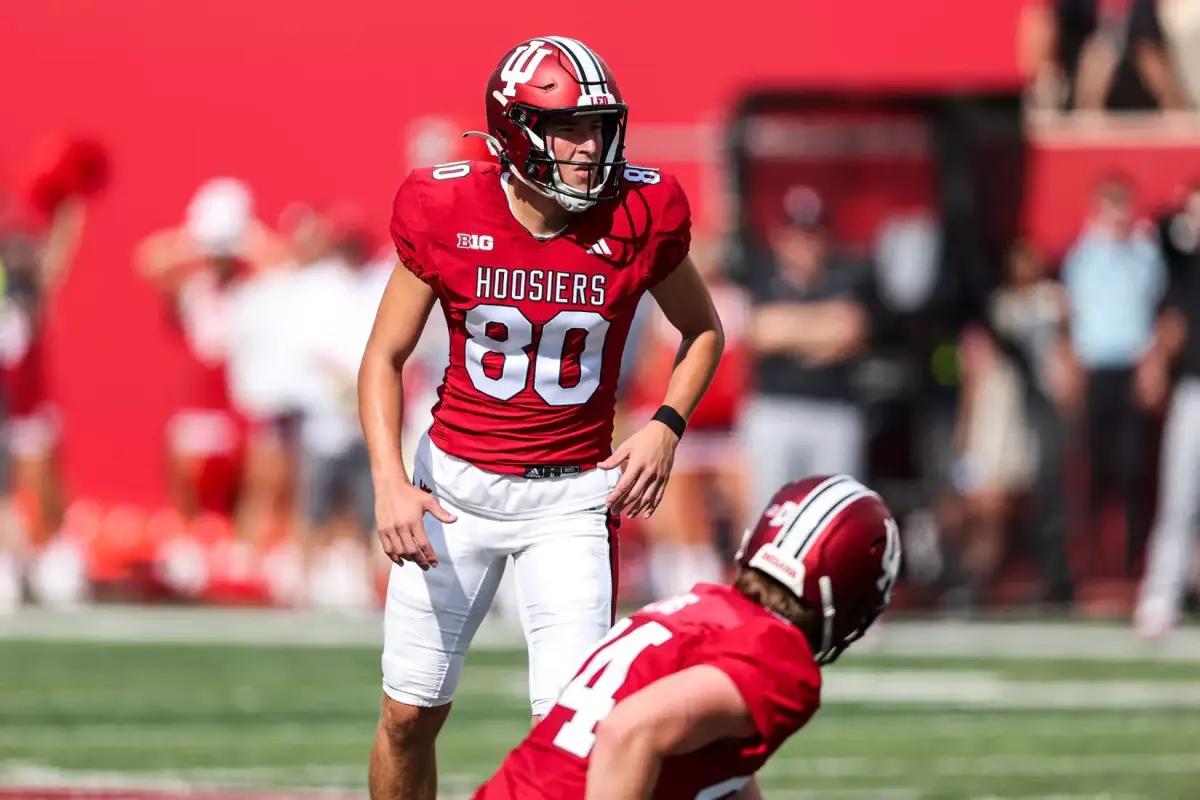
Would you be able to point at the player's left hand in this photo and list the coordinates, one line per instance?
(647, 457)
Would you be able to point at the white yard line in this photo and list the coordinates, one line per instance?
(932, 725)
(988, 638)
(992, 765)
(998, 638)
(979, 689)
(956, 725)
(858, 793)
(26, 774)
(1060, 796)
(212, 735)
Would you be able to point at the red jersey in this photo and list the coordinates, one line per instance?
(768, 659)
(536, 326)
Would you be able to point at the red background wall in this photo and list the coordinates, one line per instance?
(310, 100)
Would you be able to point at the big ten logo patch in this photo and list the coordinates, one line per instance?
(475, 241)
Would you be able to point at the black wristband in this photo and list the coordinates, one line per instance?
(672, 419)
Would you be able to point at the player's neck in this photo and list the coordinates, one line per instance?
(540, 215)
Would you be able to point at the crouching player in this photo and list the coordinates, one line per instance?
(686, 699)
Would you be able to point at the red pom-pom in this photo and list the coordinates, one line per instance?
(62, 167)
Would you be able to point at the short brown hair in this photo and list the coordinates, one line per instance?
(774, 596)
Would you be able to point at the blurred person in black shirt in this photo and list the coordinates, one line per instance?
(807, 326)
(1173, 541)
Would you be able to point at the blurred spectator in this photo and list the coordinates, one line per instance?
(996, 452)
(296, 335)
(40, 229)
(36, 250)
(806, 328)
(425, 367)
(1028, 312)
(195, 266)
(1181, 24)
(1099, 54)
(1115, 278)
(33, 267)
(336, 490)
(708, 480)
(1173, 541)
(271, 379)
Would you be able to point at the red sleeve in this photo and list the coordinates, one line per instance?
(410, 228)
(775, 673)
(672, 237)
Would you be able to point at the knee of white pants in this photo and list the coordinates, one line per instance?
(431, 616)
(416, 695)
(565, 593)
(422, 657)
(555, 654)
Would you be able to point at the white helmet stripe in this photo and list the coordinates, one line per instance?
(595, 81)
(816, 515)
(824, 522)
(812, 497)
(571, 56)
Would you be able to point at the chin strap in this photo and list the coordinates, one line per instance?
(572, 204)
(827, 612)
(567, 201)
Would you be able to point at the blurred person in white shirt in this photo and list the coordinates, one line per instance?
(197, 265)
(305, 329)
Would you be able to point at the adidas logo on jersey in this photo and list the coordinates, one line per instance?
(475, 241)
(600, 248)
(550, 471)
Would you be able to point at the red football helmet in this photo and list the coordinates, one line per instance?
(833, 543)
(538, 81)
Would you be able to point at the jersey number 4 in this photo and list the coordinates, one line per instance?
(511, 362)
(591, 694)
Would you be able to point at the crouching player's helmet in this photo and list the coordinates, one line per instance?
(833, 544)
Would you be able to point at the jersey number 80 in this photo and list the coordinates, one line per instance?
(515, 361)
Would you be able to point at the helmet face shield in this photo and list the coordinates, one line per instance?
(547, 172)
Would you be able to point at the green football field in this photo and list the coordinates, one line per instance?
(895, 724)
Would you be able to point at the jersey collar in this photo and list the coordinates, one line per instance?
(505, 179)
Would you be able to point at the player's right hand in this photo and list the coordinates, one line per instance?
(399, 520)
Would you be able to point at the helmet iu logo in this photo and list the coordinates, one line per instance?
(520, 67)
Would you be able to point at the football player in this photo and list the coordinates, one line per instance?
(538, 261)
(686, 699)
